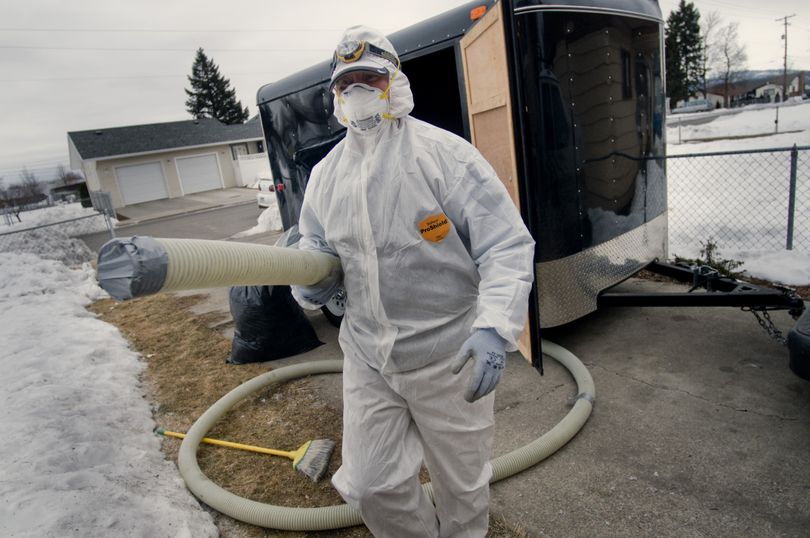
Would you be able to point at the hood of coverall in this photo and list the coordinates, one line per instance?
(400, 97)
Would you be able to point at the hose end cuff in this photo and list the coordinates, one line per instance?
(132, 267)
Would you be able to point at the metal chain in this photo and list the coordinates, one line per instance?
(769, 326)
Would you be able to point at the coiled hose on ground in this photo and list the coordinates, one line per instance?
(138, 266)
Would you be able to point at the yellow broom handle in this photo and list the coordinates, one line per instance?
(229, 444)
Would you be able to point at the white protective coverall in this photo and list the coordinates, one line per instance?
(432, 247)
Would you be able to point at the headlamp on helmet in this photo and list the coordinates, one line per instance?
(350, 51)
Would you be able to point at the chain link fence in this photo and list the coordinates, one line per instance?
(54, 228)
(743, 200)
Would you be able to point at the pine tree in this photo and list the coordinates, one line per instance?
(211, 95)
(684, 52)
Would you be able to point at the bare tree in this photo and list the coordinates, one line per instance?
(31, 186)
(6, 201)
(29, 191)
(3, 194)
(67, 177)
(709, 25)
(8, 198)
(731, 56)
(61, 174)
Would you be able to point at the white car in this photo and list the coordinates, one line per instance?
(696, 105)
(267, 193)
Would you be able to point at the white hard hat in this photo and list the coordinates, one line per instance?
(363, 49)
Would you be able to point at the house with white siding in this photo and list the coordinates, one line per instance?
(141, 163)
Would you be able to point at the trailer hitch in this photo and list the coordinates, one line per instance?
(727, 291)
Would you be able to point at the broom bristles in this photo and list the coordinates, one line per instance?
(315, 461)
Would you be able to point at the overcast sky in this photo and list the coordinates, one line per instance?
(87, 64)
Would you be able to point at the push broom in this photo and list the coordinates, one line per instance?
(141, 265)
(311, 459)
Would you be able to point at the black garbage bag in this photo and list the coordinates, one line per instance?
(268, 325)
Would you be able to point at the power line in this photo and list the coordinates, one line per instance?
(31, 165)
(106, 49)
(124, 77)
(170, 30)
(43, 161)
(736, 8)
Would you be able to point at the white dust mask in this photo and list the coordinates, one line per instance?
(363, 106)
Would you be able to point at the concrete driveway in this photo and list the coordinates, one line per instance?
(699, 429)
(209, 215)
(184, 205)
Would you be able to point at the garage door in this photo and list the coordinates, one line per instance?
(141, 183)
(199, 173)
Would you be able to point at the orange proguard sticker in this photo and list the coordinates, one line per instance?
(435, 227)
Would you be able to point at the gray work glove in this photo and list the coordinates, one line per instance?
(320, 293)
(488, 350)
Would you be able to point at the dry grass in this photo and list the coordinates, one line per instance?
(186, 373)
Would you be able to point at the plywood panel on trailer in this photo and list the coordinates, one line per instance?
(493, 141)
(487, 86)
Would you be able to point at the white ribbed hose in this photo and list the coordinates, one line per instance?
(199, 263)
(338, 516)
(142, 265)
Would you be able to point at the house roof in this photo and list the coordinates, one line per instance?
(740, 87)
(155, 137)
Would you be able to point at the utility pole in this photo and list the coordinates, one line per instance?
(784, 70)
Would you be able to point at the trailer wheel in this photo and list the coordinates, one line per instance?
(335, 308)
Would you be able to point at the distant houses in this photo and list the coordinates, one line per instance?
(746, 92)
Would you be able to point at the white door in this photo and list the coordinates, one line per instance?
(200, 173)
(141, 183)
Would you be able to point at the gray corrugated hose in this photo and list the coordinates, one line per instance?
(142, 265)
(338, 516)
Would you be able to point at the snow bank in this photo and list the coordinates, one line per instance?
(755, 122)
(59, 213)
(740, 202)
(49, 243)
(79, 456)
(269, 221)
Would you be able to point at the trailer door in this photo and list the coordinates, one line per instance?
(487, 84)
(486, 78)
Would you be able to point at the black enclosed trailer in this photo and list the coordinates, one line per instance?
(566, 100)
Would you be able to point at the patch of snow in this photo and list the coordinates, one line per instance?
(269, 221)
(79, 456)
(49, 243)
(59, 213)
(741, 201)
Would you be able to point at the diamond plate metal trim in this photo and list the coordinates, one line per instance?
(568, 287)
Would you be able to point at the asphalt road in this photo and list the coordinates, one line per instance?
(219, 223)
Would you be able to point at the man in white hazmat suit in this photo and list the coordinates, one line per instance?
(437, 268)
